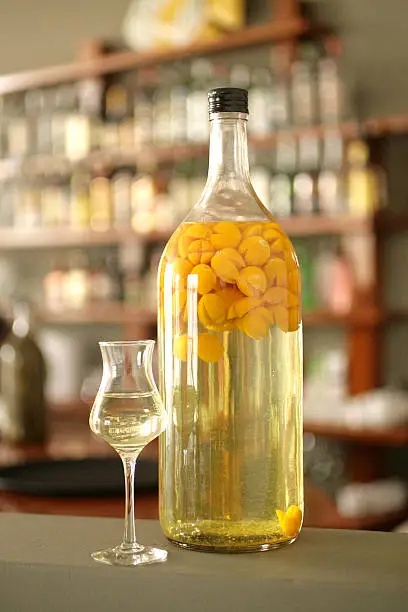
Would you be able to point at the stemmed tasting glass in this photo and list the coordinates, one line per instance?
(128, 414)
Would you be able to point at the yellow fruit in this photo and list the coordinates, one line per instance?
(280, 246)
(180, 347)
(295, 513)
(242, 306)
(252, 281)
(207, 279)
(198, 230)
(211, 309)
(294, 282)
(227, 264)
(280, 295)
(253, 229)
(255, 250)
(290, 521)
(272, 233)
(276, 272)
(256, 324)
(229, 295)
(225, 235)
(200, 251)
(287, 320)
(182, 244)
(210, 348)
(181, 269)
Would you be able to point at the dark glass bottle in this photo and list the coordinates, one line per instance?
(22, 383)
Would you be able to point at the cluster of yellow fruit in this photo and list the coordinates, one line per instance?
(290, 521)
(244, 274)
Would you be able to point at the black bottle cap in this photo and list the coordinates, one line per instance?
(227, 100)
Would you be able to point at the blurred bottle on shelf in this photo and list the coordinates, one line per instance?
(22, 383)
(28, 211)
(131, 261)
(240, 76)
(365, 182)
(305, 181)
(324, 262)
(76, 287)
(53, 285)
(331, 187)
(79, 199)
(259, 100)
(18, 134)
(116, 277)
(117, 116)
(54, 199)
(143, 108)
(342, 282)
(330, 91)
(304, 88)
(162, 107)
(65, 104)
(178, 107)
(179, 192)
(281, 196)
(261, 182)
(142, 203)
(197, 119)
(121, 184)
(100, 284)
(8, 203)
(100, 204)
(44, 121)
(163, 209)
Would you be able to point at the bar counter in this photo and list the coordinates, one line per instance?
(45, 566)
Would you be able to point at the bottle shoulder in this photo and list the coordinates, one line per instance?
(228, 202)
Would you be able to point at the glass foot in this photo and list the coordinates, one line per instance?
(137, 555)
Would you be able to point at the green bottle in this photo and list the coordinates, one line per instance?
(22, 383)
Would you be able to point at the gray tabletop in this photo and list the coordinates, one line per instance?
(45, 566)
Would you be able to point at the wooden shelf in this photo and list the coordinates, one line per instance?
(109, 313)
(271, 32)
(44, 238)
(393, 436)
(296, 226)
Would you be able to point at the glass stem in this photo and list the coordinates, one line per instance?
(129, 536)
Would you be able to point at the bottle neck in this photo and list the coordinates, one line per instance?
(228, 148)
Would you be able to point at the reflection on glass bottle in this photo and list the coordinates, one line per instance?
(22, 381)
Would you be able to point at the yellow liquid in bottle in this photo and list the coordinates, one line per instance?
(231, 367)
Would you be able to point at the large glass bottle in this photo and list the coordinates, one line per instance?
(231, 360)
